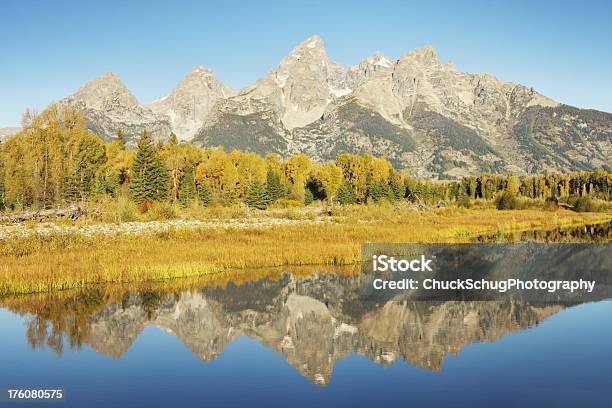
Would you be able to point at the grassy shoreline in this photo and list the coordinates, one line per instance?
(66, 261)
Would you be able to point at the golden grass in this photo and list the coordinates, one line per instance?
(43, 264)
(114, 292)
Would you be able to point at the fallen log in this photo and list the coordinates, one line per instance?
(72, 212)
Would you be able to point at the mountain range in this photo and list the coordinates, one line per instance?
(423, 115)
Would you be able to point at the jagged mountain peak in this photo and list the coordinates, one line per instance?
(108, 85)
(109, 106)
(110, 76)
(188, 104)
(199, 79)
(375, 65)
(379, 59)
(309, 80)
(426, 56)
(199, 69)
(314, 42)
(310, 50)
(201, 73)
(109, 80)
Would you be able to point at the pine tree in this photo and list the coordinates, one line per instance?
(121, 139)
(70, 188)
(257, 196)
(229, 195)
(149, 175)
(379, 190)
(187, 191)
(274, 187)
(396, 189)
(346, 194)
(204, 194)
(308, 197)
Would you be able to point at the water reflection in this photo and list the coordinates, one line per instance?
(594, 233)
(311, 321)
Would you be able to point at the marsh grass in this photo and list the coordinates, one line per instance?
(58, 262)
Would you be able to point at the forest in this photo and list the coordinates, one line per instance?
(55, 161)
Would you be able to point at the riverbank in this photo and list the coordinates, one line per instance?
(58, 256)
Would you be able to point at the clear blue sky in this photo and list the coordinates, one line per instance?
(48, 49)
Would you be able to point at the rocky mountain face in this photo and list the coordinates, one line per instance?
(421, 114)
(189, 103)
(109, 106)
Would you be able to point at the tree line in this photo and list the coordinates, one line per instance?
(54, 160)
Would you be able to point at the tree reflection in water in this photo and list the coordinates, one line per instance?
(312, 321)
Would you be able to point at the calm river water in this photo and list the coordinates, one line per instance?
(305, 342)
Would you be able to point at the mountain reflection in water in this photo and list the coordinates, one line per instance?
(311, 321)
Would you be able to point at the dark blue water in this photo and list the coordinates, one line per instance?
(564, 359)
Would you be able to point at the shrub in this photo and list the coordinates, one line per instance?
(585, 204)
(551, 203)
(126, 210)
(145, 206)
(287, 203)
(162, 211)
(308, 197)
(464, 201)
(507, 201)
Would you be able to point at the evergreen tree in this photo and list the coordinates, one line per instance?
(274, 187)
(396, 189)
(149, 175)
(121, 139)
(204, 194)
(379, 190)
(308, 197)
(257, 196)
(346, 194)
(229, 195)
(187, 191)
(70, 188)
